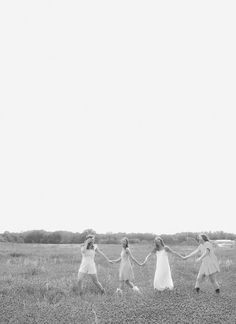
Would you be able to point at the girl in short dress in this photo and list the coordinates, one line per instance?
(126, 275)
(162, 279)
(209, 263)
(88, 266)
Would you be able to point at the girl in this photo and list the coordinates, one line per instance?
(87, 265)
(162, 279)
(209, 266)
(126, 274)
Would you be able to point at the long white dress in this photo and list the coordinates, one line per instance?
(163, 279)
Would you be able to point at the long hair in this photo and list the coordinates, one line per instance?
(157, 246)
(126, 241)
(204, 237)
(90, 244)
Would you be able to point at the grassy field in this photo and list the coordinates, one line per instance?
(38, 285)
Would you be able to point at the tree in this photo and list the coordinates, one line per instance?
(85, 233)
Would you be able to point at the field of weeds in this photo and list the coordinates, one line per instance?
(38, 285)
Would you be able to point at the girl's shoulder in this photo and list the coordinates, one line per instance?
(166, 248)
(82, 248)
(199, 248)
(126, 250)
(208, 245)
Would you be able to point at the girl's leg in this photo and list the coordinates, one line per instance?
(97, 283)
(214, 282)
(199, 280)
(80, 279)
(129, 283)
(121, 287)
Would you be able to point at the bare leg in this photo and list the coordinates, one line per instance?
(121, 287)
(122, 284)
(214, 282)
(97, 283)
(200, 279)
(129, 283)
(80, 279)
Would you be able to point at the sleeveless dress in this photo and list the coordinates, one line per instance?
(210, 263)
(126, 271)
(88, 264)
(162, 279)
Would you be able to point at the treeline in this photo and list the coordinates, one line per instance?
(64, 237)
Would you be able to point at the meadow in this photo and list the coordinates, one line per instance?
(38, 285)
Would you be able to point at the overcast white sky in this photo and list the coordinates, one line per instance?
(118, 115)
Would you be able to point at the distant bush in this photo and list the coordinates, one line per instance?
(2, 239)
(65, 237)
(16, 255)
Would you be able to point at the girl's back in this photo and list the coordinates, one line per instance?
(124, 255)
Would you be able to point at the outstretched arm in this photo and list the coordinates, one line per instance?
(203, 255)
(168, 249)
(116, 261)
(191, 254)
(147, 257)
(100, 252)
(132, 257)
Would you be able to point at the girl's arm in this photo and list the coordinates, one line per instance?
(117, 260)
(168, 249)
(83, 248)
(132, 257)
(85, 245)
(203, 255)
(100, 252)
(147, 257)
(191, 254)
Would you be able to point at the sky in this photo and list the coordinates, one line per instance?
(118, 116)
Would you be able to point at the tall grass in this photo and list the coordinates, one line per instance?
(38, 285)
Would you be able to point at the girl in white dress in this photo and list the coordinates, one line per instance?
(126, 275)
(209, 263)
(162, 278)
(88, 266)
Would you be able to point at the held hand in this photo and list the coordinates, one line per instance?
(198, 260)
(177, 254)
(111, 261)
(182, 257)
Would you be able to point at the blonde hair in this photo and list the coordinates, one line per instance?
(90, 243)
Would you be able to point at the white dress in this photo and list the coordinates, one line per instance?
(163, 279)
(210, 263)
(88, 264)
(126, 271)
